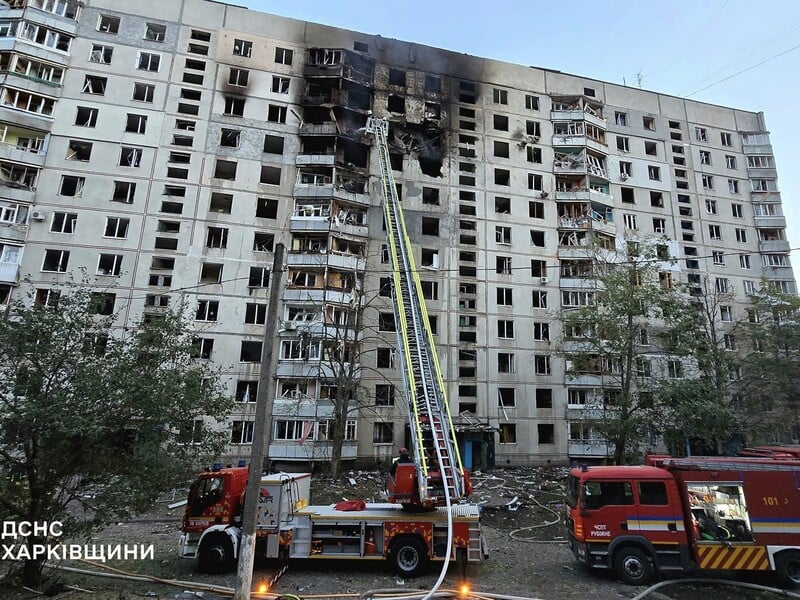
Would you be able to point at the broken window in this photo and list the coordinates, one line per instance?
(270, 175)
(280, 85)
(234, 106)
(433, 84)
(71, 185)
(136, 123)
(267, 208)
(500, 122)
(533, 154)
(86, 117)
(242, 48)
(238, 77)
(396, 104)
(430, 226)
(116, 227)
(130, 157)
(433, 111)
(225, 169)
(81, 151)
(283, 56)
(501, 149)
(155, 32)
(63, 223)
(649, 123)
(502, 177)
(430, 195)
(108, 24)
(499, 96)
(217, 237)
(230, 137)
(101, 54)
(276, 114)
(397, 77)
(273, 144)
(143, 92)
(148, 61)
(109, 264)
(258, 277)
(502, 205)
(531, 102)
(55, 261)
(263, 242)
(94, 85)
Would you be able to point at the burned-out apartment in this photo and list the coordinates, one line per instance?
(167, 147)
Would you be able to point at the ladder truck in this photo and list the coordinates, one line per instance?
(436, 477)
(420, 523)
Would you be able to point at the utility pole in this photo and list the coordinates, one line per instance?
(262, 432)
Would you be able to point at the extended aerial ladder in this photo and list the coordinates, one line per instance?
(440, 475)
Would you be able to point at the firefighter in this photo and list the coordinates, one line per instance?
(402, 457)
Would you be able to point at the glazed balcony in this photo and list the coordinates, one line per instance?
(578, 115)
(590, 449)
(9, 272)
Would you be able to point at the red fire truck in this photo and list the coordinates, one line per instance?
(687, 514)
(288, 527)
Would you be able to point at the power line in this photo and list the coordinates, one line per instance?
(747, 54)
(750, 68)
(695, 36)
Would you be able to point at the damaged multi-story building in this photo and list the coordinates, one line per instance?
(166, 146)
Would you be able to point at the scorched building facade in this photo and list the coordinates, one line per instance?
(167, 147)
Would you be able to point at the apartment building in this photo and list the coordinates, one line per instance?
(166, 147)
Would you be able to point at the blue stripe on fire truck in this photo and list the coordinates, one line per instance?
(766, 525)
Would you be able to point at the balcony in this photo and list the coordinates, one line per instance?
(762, 172)
(309, 450)
(579, 140)
(349, 229)
(581, 163)
(318, 296)
(757, 149)
(299, 224)
(346, 262)
(9, 272)
(771, 221)
(319, 160)
(326, 128)
(784, 272)
(585, 195)
(578, 115)
(590, 449)
(773, 246)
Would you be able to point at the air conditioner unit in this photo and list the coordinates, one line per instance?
(623, 176)
(544, 280)
(544, 194)
(290, 326)
(38, 215)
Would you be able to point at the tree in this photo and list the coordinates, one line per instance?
(699, 418)
(96, 422)
(608, 339)
(768, 400)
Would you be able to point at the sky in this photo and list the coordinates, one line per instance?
(735, 53)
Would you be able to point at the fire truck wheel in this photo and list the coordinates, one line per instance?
(409, 556)
(215, 554)
(787, 566)
(633, 566)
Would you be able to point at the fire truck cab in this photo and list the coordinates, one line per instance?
(685, 515)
